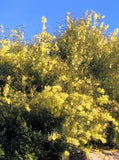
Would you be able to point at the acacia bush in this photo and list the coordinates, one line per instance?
(59, 94)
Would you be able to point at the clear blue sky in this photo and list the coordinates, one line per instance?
(14, 13)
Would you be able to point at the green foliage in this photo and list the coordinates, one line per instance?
(1, 153)
(18, 140)
(59, 94)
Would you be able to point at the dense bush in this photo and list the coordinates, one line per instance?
(17, 139)
(59, 94)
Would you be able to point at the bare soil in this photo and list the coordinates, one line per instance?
(96, 155)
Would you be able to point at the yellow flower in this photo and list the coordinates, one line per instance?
(66, 154)
(8, 100)
(104, 99)
(84, 140)
(9, 78)
(88, 134)
(27, 108)
(103, 140)
(101, 26)
(24, 78)
(96, 16)
(47, 88)
(106, 27)
(68, 17)
(54, 136)
(2, 28)
(56, 88)
(44, 19)
(73, 141)
(101, 90)
(63, 78)
(6, 90)
(103, 16)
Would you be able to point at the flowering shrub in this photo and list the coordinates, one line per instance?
(64, 86)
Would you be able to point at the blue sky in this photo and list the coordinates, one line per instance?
(15, 13)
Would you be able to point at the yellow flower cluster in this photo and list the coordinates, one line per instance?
(104, 99)
(73, 141)
(66, 153)
(101, 90)
(6, 90)
(54, 136)
(63, 77)
(27, 108)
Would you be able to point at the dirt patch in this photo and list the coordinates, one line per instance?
(96, 155)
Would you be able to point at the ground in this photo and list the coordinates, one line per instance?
(96, 155)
